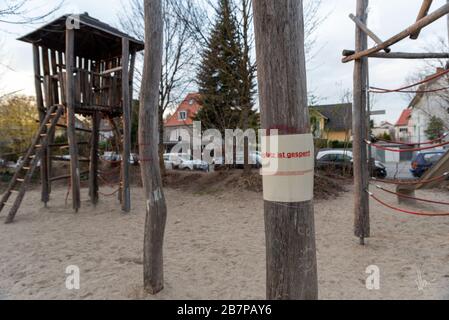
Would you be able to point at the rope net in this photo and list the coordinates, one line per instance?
(378, 146)
(411, 144)
(404, 196)
(415, 213)
(403, 89)
(412, 183)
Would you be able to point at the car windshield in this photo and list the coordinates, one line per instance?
(432, 157)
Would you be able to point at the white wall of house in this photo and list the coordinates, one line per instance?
(403, 133)
(431, 104)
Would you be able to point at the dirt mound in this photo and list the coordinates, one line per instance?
(206, 183)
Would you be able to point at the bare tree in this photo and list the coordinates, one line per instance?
(199, 23)
(178, 54)
(23, 11)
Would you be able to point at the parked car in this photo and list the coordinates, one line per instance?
(255, 159)
(174, 160)
(424, 161)
(342, 160)
(167, 162)
(115, 157)
(134, 159)
(192, 165)
(111, 157)
(20, 161)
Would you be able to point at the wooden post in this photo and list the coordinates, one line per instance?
(290, 227)
(156, 208)
(361, 170)
(45, 197)
(55, 99)
(70, 97)
(93, 170)
(126, 203)
(42, 113)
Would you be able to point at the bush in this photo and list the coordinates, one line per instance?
(340, 145)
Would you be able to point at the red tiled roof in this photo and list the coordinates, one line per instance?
(405, 118)
(191, 105)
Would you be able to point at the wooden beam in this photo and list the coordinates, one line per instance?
(68, 176)
(65, 145)
(70, 97)
(441, 12)
(365, 29)
(156, 208)
(62, 126)
(42, 113)
(45, 196)
(60, 159)
(359, 130)
(126, 203)
(289, 227)
(403, 55)
(425, 7)
(107, 72)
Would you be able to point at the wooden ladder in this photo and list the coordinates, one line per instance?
(30, 162)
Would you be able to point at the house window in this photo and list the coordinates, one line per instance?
(183, 115)
(191, 102)
(403, 130)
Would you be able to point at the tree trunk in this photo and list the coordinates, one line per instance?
(290, 227)
(361, 170)
(149, 141)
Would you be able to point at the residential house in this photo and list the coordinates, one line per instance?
(329, 122)
(181, 121)
(385, 128)
(332, 122)
(403, 126)
(425, 105)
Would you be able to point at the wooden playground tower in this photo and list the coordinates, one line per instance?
(82, 67)
(361, 108)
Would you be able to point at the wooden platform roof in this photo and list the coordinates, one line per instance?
(94, 39)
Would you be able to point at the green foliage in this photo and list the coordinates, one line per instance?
(339, 145)
(18, 124)
(385, 136)
(225, 78)
(435, 129)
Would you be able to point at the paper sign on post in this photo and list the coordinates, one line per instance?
(288, 168)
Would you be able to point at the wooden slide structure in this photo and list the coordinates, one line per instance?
(431, 179)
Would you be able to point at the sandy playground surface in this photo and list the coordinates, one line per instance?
(214, 249)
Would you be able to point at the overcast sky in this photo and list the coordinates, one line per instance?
(327, 76)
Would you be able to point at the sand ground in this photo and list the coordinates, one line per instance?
(214, 249)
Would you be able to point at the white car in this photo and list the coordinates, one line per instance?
(193, 165)
(174, 160)
(324, 153)
(255, 159)
(20, 161)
